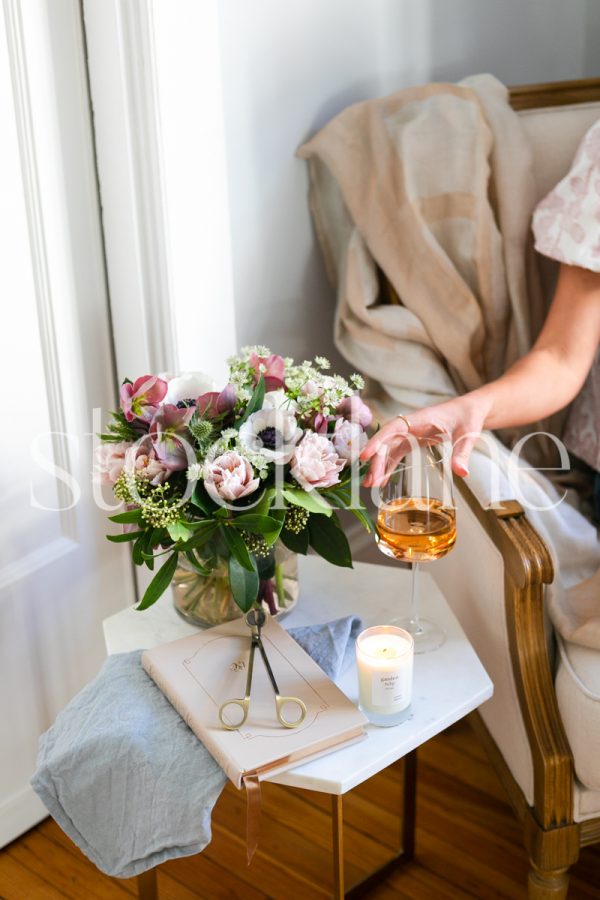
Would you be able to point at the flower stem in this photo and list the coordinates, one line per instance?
(279, 584)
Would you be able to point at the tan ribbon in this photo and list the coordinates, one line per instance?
(252, 785)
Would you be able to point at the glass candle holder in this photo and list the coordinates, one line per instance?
(384, 660)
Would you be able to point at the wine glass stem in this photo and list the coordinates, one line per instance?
(414, 600)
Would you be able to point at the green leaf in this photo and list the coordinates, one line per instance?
(341, 498)
(178, 531)
(266, 566)
(364, 517)
(201, 498)
(138, 549)
(237, 547)
(159, 583)
(311, 500)
(255, 402)
(263, 506)
(256, 524)
(329, 541)
(200, 537)
(195, 562)
(243, 583)
(297, 543)
(121, 538)
(196, 523)
(131, 517)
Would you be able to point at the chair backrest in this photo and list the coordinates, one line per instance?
(555, 117)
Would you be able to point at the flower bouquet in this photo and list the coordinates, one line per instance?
(216, 481)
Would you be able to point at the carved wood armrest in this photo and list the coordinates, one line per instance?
(527, 568)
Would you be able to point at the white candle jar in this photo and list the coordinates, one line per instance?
(384, 660)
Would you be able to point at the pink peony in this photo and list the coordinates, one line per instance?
(348, 439)
(110, 461)
(147, 465)
(315, 463)
(354, 409)
(141, 399)
(170, 436)
(230, 477)
(274, 370)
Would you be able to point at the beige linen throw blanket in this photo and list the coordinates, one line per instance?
(434, 186)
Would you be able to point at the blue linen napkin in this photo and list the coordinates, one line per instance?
(125, 777)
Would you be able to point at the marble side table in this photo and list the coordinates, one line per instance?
(449, 683)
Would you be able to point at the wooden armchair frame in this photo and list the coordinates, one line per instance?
(552, 837)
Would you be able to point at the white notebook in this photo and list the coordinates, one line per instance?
(199, 673)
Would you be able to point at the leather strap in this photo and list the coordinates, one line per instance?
(252, 785)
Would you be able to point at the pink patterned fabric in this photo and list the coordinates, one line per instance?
(566, 226)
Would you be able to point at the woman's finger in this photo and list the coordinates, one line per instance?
(461, 452)
(377, 468)
(396, 427)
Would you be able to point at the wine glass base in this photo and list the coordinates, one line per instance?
(427, 635)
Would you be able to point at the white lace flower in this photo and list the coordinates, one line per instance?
(194, 472)
(279, 400)
(272, 433)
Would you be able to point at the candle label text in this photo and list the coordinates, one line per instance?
(387, 689)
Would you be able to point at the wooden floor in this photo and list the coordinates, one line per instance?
(468, 843)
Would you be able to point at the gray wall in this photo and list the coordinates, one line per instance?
(289, 66)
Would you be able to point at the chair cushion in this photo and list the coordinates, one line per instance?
(578, 695)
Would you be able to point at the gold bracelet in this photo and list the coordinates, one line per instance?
(405, 420)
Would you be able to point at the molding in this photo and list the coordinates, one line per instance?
(122, 68)
(19, 813)
(18, 63)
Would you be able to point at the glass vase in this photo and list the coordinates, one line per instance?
(207, 600)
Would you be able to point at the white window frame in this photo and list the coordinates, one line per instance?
(165, 222)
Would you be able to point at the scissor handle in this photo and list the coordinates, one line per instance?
(243, 703)
(279, 704)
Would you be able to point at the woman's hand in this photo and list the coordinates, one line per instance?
(461, 420)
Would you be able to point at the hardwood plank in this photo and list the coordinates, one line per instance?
(418, 883)
(18, 882)
(201, 876)
(363, 814)
(468, 844)
(70, 875)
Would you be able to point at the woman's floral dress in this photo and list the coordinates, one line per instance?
(566, 225)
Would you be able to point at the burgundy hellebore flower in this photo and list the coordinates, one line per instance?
(170, 436)
(213, 403)
(140, 399)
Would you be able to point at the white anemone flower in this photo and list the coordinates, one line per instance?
(272, 433)
(188, 386)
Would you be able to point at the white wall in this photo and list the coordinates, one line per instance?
(290, 66)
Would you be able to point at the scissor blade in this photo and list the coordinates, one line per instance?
(263, 653)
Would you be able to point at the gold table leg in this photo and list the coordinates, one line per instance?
(147, 886)
(337, 821)
(407, 836)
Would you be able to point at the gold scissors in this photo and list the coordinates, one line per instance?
(255, 619)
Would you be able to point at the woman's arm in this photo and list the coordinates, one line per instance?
(545, 380)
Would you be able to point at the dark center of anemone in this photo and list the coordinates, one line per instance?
(271, 438)
(184, 404)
